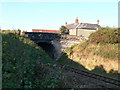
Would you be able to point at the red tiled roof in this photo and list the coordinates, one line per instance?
(42, 30)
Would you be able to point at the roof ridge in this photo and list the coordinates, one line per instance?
(77, 25)
(88, 23)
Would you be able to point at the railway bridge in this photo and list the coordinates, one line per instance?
(54, 44)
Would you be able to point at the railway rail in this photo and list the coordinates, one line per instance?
(115, 82)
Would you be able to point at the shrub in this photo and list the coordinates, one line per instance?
(105, 35)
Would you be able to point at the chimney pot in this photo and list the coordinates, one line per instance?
(65, 23)
(76, 20)
(98, 21)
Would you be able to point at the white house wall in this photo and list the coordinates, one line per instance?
(85, 32)
(79, 32)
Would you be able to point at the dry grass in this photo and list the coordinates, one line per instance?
(95, 55)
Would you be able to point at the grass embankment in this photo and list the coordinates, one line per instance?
(98, 54)
(24, 64)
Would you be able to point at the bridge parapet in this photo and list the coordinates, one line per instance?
(52, 36)
(41, 35)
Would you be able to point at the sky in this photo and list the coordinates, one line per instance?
(28, 15)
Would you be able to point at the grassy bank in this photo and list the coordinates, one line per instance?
(24, 64)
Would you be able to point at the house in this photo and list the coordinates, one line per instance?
(82, 29)
(43, 30)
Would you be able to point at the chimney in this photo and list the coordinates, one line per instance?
(76, 20)
(98, 21)
(65, 23)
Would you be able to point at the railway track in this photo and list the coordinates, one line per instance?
(115, 82)
(105, 79)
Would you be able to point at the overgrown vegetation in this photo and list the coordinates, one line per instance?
(23, 63)
(103, 50)
(105, 35)
(104, 42)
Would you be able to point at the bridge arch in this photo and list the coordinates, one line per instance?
(48, 47)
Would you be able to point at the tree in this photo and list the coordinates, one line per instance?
(64, 30)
